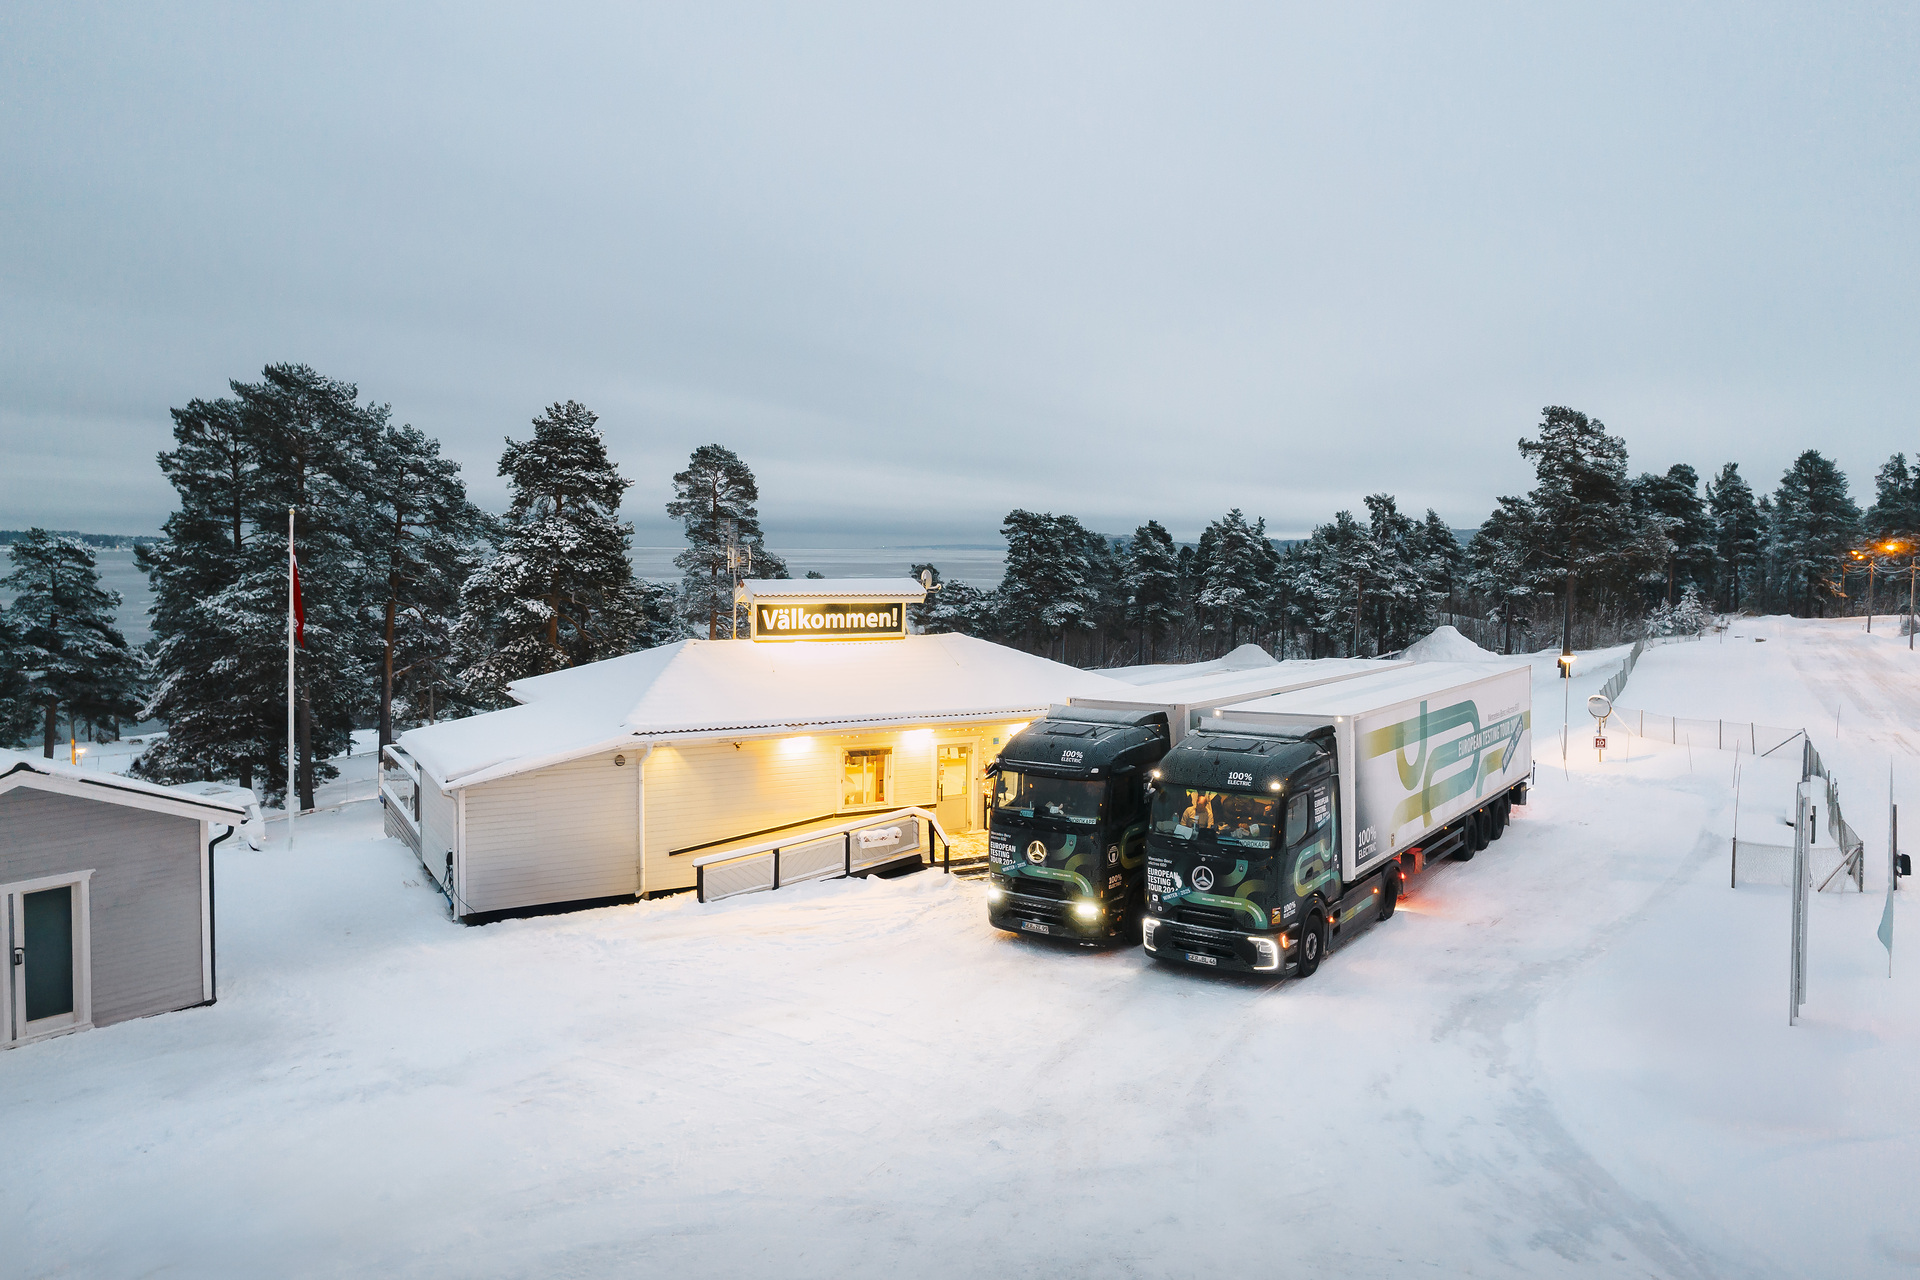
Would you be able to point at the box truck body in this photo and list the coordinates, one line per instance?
(1282, 824)
(1186, 701)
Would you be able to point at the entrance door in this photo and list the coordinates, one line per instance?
(953, 796)
(46, 958)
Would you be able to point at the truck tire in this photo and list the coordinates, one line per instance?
(1482, 829)
(1499, 815)
(1467, 848)
(1313, 946)
(1389, 891)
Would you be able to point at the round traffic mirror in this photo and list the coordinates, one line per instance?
(1599, 706)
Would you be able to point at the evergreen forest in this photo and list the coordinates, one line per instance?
(418, 606)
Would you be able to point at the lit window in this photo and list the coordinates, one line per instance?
(865, 776)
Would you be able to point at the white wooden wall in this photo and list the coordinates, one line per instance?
(558, 834)
(439, 828)
(570, 832)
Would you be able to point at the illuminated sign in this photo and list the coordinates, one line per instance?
(830, 620)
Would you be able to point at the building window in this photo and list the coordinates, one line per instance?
(866, 777)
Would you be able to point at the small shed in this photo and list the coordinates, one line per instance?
(106, 896)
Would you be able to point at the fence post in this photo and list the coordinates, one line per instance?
(776, 868)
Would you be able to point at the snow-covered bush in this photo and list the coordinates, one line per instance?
(1688, 617)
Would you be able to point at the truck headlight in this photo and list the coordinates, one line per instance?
(1266, 953)
(1087, 909)
(1147, 925)
(995, 893)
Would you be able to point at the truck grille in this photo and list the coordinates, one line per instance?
(1035, 887)
(1172, 937)
(1021, 907)
(1207, 917)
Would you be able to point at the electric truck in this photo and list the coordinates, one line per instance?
(1283, 826)
(1067, 824)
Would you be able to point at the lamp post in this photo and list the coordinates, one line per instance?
(1870, 557)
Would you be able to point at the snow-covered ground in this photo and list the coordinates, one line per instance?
(1568, 1057)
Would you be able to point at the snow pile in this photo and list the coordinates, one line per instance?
(1446, 644)
(1248, 657)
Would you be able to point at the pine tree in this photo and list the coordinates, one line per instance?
(1583, 518)
(1048, 590)
(432, 545)
(1339, 560)
(715, 499)
(1442, 559)
(1505, 568)
(1687, 532)
(560, 591)
(1152, 585)
(1815, 525)
(1739, 533)
(17, 712)
(1895, 514)
(1234, 577)
(71, 654)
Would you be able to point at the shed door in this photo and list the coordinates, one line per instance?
(46, 960)
(953, 799)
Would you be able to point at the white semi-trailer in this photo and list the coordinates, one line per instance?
(1282, 825)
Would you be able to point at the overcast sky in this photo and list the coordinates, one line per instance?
(921, 267)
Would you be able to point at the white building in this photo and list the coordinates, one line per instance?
(610, 779)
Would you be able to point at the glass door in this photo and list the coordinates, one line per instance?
(953, 793)
(46, 985)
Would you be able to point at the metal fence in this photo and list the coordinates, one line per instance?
(1721, 735)
(1613, 686)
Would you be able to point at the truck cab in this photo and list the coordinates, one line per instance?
(1243, 861)
(1067, 824)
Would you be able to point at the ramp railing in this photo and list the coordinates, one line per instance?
(848, 849)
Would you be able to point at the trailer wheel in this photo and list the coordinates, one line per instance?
(1468, 834)
(1482, 829)
(1499, 816)
(1313, 945)
(1389, 891)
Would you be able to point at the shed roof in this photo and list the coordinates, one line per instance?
(18, 770)
(730, 688)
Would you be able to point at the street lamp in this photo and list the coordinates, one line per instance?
(1870, 557)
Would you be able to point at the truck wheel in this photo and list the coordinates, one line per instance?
(1313, 945)
(1499, 816)
(1482, 829)
(1389, 892)
(1467, 846)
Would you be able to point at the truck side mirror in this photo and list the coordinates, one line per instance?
(1905, 864)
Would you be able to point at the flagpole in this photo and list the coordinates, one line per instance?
(293, 804)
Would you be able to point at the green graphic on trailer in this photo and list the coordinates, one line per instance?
(1489, 750)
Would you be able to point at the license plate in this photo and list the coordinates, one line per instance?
(1200, 959)
(1033, 926)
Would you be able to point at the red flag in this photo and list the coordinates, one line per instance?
(299, 605)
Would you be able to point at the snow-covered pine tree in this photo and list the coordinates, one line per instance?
(1583, 516)
(1739, 534)
(217, 649)
(1152, 585)
(1234, 583)
(70, 651)
(1895, 514)
(1442, 559)
(17, 712)
(317, 447)
(715, 499)
(1673, 501)
(1401, 598)
(1048, 591)
(1339, 559)
(560, 591)
(1504, 568)
(1815, 524)
(433, 544)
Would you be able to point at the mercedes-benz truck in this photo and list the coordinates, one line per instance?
(1283, 826)
(1066, 831)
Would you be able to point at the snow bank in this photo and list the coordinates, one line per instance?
(1248, 657)
(1446, 644)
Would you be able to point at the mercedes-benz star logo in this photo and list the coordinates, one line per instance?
(1036, 853)
(1203, 878)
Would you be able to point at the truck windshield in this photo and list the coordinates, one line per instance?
(1187, 813)
(1031, 795)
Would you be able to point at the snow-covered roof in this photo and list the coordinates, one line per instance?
(1217, 685)
(1248, 657)
(17, 769)
(727, 688)
(833, 588)
(1401, 683)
